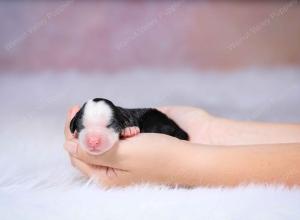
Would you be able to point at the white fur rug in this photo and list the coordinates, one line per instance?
(37, 181)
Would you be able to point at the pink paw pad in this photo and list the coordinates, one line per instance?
(130, 131)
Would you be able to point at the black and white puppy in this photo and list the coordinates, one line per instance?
(99, 124)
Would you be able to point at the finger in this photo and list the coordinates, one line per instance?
(105, 176)
(71, 145)
(108, 158)
(164, 109)
(97, 173)
(71, 113)
(180, 112)
(174, 110)
(86, 169)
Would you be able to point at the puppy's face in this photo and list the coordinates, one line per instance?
(96, 126)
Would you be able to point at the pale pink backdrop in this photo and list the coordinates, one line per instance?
(118, 35)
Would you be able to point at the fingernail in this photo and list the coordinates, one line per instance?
(72, 148)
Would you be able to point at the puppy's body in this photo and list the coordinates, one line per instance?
(100, 124)
(150, 120)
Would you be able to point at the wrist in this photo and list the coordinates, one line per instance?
(219, 131)
(232, 132)
(192, 165)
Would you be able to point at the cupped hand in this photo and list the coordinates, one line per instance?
(195, 121)
(153, 158)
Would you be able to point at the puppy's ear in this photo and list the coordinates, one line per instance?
(76, 122)
(73, 123)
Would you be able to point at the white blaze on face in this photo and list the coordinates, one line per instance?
(97, 113)
(96, 137)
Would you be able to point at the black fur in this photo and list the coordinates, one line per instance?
(149, 120)
(76, 122)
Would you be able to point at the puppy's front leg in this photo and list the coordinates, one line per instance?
(130, 132)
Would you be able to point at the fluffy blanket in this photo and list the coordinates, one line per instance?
(38, 182)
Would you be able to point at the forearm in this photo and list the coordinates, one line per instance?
(231, 132)
(233, 165)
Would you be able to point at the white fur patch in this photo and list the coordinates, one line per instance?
(97, 114)
(96, 117)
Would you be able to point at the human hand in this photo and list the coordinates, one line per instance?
(151, 158)
(195, 121)
(162, 159)
(154, 158)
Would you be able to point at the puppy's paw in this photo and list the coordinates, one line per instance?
(130, 132)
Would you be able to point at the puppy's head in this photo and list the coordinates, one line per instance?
(96, 125)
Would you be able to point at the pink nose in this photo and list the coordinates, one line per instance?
(93, 142)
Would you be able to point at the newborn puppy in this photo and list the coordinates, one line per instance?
(99, 124)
